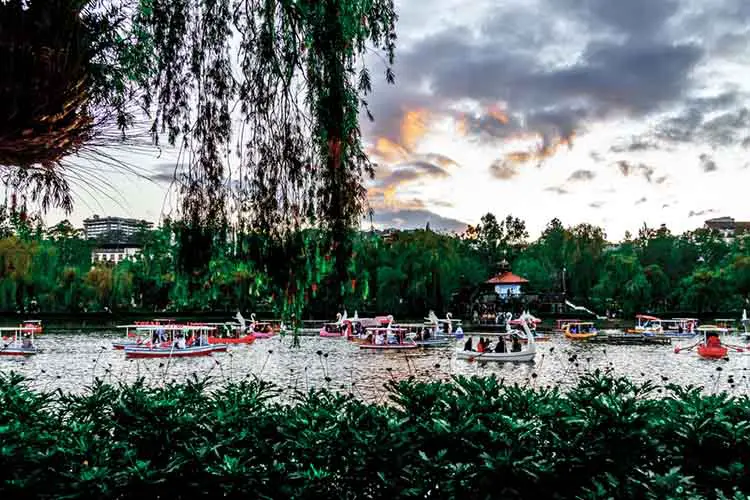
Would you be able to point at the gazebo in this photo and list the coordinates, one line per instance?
(506, 284)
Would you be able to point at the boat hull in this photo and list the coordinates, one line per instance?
(537, 338)
(18, 351)
(161, 352)
(512, 357)
(263, 335)
(434, 342)
(387, 347)
(671, 335)
(121, 345)
(712, 352)
(247, 339)
(579, 336)
(329, 335)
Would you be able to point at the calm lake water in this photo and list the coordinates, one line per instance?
(71, 361)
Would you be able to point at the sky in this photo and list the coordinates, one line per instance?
(614, 113)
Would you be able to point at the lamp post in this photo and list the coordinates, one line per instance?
(563, 281)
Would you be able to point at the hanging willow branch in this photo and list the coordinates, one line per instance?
(292, 71)
(69, 69)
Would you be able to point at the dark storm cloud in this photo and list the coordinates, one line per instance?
(718, 121)
(416, 219)
(629, 66)
(582, 175)
(633, 59)
(633, 18)
(707, 163)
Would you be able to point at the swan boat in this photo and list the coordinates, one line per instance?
(341, 328)
(387, 338)
(532, 323)
(19, 343)
(525, 354)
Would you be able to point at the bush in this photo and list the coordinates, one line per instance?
(473, 438)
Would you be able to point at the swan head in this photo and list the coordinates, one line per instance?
(252, 316)
(390, 318)
(449, 315)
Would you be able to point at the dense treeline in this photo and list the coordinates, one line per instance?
(404, 273)
(474, 438)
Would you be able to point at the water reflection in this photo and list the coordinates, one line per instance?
(72, 361)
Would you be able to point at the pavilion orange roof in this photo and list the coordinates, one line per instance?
(506, 278)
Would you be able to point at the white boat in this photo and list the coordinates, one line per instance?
(19, 343)
(525, 354)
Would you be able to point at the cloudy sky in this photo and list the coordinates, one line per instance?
(609, 112)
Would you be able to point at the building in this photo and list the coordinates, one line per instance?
(728, 227)
(97, 227)
(507, 285)
(115, 238)
(114, 254)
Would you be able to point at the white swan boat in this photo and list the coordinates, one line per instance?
(525, 354)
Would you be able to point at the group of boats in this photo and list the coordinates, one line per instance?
(165, 338)
(707, 338)
(382, 334)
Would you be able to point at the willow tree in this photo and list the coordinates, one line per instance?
(293, 72)
(69, 69)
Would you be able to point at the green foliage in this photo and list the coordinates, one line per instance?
(405, 274)
(472, 438)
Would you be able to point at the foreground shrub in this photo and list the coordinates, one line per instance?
(473, 438)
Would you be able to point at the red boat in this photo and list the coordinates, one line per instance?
(246, 339)
(710, 346)
(712, 352)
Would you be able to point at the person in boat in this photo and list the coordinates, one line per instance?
(26, 344)
(712, 340)
(379, 338)
(179, 341)
(516, 344)
(392, 338)
(467, 345)
(500, 346)
(480, 345)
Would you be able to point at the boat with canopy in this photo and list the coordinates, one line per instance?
(179, 341)
(19, 342)
(387, 338)
(580, 330)
(482, 350)
(647, 325)
(709, 345)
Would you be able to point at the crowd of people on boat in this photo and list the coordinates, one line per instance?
(500, 346)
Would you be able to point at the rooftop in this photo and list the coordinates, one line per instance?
(506, 278)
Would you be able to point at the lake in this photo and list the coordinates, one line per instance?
(71, 361)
